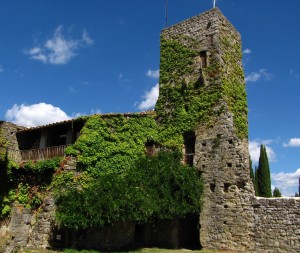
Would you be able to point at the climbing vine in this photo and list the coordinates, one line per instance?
(118, 181)
(110, 143)
(185, 99)
(234, 84)
(157, 187)
(27, 183)
(3, 144)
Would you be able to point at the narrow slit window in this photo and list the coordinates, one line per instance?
(203, 58)
(189, 148)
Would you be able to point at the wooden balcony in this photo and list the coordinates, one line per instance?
(37, 154)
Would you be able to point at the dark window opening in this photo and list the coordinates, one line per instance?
(212, 187)
(150, 148)
(226, 187)
(230, 141)
(241, 184)
(203, 58)
(189, 148)
(229, 165)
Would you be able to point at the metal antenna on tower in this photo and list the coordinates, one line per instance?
(214, 3)
(166, 14)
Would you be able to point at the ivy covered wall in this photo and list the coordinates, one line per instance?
(118, 181)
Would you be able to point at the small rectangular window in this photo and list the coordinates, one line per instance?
(203, 58)
(189, 148)
(150, 148)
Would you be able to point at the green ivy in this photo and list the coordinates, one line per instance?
(234, 84)
(41, 166)
(184, 99)
(3, 145)
(26, 183)
(157, 187)
(113, 143)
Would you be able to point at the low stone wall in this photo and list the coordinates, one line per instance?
(30, 230)
(277, 225)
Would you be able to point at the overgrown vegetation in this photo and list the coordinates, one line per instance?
(184, 99)
(27, 183)
(119, 182)
(233, 84)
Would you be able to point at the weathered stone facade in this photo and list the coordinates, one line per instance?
(8, 131)
(277, 225)
(30, 230)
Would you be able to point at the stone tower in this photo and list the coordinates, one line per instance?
(202, 93)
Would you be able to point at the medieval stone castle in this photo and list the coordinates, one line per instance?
(232, 217)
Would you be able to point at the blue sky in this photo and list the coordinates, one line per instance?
(60, 59)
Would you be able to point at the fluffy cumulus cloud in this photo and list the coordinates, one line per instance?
(149, 99)
(287, 183)
(247, 51)
(153, 73)
(254, 149)
(35, 115)
(58, 49)
(256, 76)
(293, 142)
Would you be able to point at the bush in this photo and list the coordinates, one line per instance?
(157, 187)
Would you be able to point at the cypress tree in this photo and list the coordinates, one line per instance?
(263, 174)
(253, 178)
(255, 182)
(276, 193)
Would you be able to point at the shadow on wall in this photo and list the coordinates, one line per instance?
(175, 233)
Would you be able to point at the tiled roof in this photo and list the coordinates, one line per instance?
(146, 113)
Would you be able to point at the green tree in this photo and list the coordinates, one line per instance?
(255, 181)
(263, 174)
(253, 177)
(276, 193)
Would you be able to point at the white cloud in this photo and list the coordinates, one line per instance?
(72, 89)
(287, 183)
(58, 49)
(293, 142)
(293, 73)
(254, 149)
(247, 51)
(1, 69)
(86, 38)
(149, 99)
(153, 73)
(255, 76)
(96, 111)
(35, 115)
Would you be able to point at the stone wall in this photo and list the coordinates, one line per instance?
(226, 216)
(29, 229)
(277, 225)
(8, 131)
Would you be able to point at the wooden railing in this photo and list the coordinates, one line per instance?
(37, 154)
